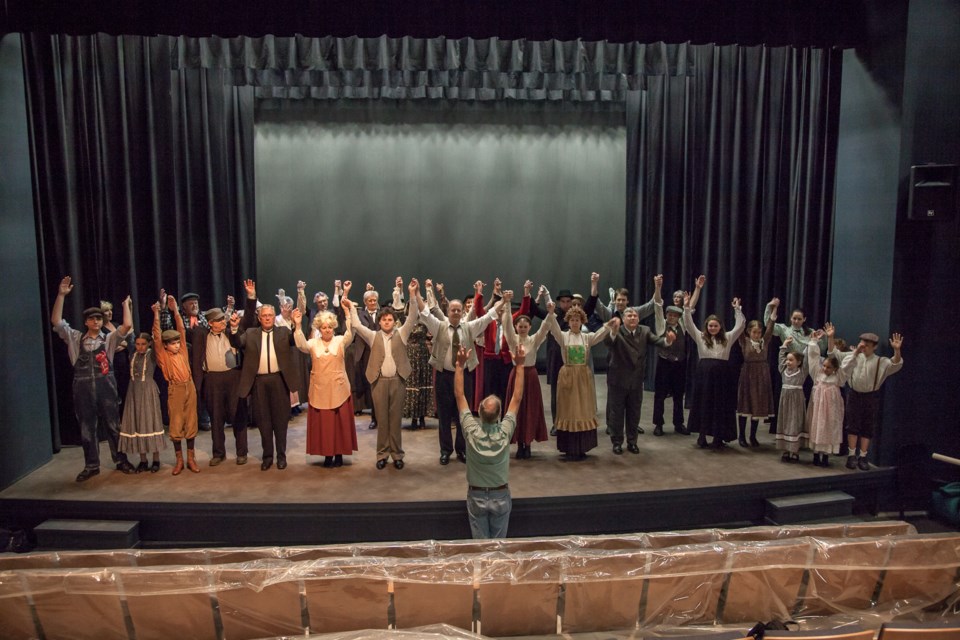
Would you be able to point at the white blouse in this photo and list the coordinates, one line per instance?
(717, 351)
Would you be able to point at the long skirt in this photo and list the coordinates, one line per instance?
(141, 429)
(331, 432)
(791, 418)
(825, 419)
(755, 392)
(531, 425)
(712, 410)
(576, 418)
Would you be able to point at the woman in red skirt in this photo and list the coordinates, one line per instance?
(331, 430)
(531, 424)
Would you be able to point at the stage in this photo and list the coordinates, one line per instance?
(671, 484)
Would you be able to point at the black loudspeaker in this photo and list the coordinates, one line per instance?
(933, 192)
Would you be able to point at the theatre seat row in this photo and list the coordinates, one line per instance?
(495, 592)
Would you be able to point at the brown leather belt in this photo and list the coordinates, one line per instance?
(500, 488)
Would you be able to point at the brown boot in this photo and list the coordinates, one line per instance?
(192, 462)
(178, 468)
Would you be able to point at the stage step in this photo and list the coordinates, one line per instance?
(56, 535)
(809, 507)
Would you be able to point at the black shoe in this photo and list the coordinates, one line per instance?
(281, 464)
(682, 430)
(816, 459)
(143, 466)
(785, 457)
(702, 442)
(617, 449)
(373, 424)
(754, 442)
(381, 463)
(658, 430)
(825, 461)
(795, 457)
(266, 465)
(338, 460)
(204, 426)
(155, 466)
(423, 422)
(461, 457)
(640, 430)
(632, 448)
(862, 464)
(444, 458)
(553, 430)
(126, 467)
(327, 461)
(717, 444)
(86, 474)
(398, 464)
(743, 442)
(851, 462)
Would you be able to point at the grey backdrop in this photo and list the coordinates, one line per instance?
(450, 190)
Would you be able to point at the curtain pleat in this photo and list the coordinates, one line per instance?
(327, 68)
(143, 178)
(731, 173)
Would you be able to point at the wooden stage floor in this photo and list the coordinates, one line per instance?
(671, 476)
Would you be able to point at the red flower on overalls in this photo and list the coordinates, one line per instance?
(104, 363)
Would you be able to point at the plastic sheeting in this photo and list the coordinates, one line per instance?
(513, 587)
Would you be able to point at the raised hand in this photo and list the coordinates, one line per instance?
(816, 335)
(670, 337)
(297, 317)
(594, 278)
(896, 341)
(478, 286)
(527, 288)
(301, 285)
(463, 355)
(440, 288)
(398, 282)
(413, 287)
(829, 330)
(172, 303)
(508, 296)
(686, 299)
(66, 286)
(163, 296)
(231, 302)
(774, 302)
(234, 320)
(337, 286)
(551, 306)
(428, 283)
(346, 288)
(369, 287)
(346, 304)
(128, 301)
(251, 288)
(788, 341)
(155, 307)
(658, 281)
(614, 324)
(735, 303)
(701, 280)
(497, 284)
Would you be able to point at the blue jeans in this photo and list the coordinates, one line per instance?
(489, 513)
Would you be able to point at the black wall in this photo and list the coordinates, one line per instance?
(24, 412)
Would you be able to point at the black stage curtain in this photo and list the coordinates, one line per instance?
(731, 173)
(403, 68)
(143, 177)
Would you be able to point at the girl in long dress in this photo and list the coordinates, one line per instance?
(576, 417)
(791, 412)
(754, 391)
(531, 424)
(825, 411)
(141, 429)
(331, 429)
(712, 410)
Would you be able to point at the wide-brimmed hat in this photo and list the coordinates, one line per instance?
(564, 293)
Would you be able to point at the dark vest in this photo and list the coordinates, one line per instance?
(677, 352)
(377, 356)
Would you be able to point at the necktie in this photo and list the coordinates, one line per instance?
(269, 340)
(456, 343)
(496, 348)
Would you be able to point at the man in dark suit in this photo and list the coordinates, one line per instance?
(370, 318)
(216, 376)
(626, 368)
(267, 372)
